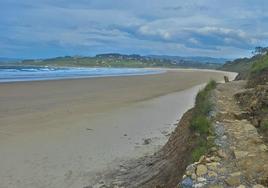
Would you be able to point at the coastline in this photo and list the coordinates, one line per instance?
(16, 74)
(57, 130)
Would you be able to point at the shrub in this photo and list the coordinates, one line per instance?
(260, 64)
(264, 126)
(211, 85)
(198, 152)
(202, 103)
(203, 106)
(201, 124)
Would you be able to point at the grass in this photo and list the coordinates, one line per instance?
(198, 152)
(203, 106)
(200, 123)
(260, 64)
(264, 126)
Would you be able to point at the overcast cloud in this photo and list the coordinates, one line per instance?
(47, 28)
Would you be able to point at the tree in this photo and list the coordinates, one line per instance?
(260, 50)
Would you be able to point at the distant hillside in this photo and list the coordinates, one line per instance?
(246, 66)
(259, 72)
(120, 60)
(199, 59)
(241, 66)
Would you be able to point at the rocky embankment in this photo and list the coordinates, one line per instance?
(240, 157)
(237, 158)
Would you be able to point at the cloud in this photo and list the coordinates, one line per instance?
(32, 28)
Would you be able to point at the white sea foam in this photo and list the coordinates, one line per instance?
(18, 73)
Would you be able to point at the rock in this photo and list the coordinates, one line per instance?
(212, 174)
(215, 186)
(199, 185)
(240, 154)
(201, 170)
(100, 186)
(123, 170)
(190, 170)
(200, 179)
(213, 159)
(193, 176)
(224, 137)
(187, 183)
(222, 154)
(258, 186)
(213, 165)
(241, 186)
(201, 159)
(263, 147)
(236, 174)
(221, 170)
(147, 141)
(233, 179)
(213, 149)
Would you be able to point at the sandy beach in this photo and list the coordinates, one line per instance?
(59, 133)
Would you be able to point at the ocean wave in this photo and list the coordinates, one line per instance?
(9, 74)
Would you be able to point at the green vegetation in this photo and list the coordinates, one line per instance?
(241, 66)
(264, 126)
(259, 70)
(202, 103)
(247, 67)
(260, 64)
(200, 123)
(199, 151)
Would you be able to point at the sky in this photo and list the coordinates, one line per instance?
(49, 28)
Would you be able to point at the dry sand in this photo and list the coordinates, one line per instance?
(59, 133)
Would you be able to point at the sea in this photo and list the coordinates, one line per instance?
(35, 73)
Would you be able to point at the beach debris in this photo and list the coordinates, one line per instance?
(147, 141)
(226, 79)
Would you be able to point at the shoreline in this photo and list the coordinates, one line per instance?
(160, 71)
(73, 77)
(68, 127)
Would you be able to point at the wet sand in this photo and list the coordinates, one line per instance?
(58, 133)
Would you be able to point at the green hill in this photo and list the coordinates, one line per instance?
(246, 67)
(119, 60)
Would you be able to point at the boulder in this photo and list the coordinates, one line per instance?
(190, 170)
(201, 170)
(215, 186)
(240, 154)
(213, 165)
(233, 179)
(187, 183)
(258, 186)
(222, 154)
(212, 174)
(193, 176)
